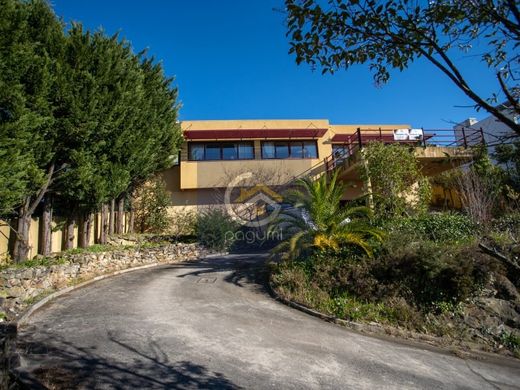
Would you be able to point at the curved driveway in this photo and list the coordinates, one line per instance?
(210, 324)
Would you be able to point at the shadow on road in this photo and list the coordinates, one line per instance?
(58, 364)
(62, 365)
(250, 269)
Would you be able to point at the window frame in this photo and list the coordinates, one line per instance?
(220, 145)
(289, 144)
(345, 147)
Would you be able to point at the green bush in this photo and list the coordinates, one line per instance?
(215, 229)
(427, 273)
(342, 273)
(150, 204)
(438, 227)
(509, 224)
(396, 178)
(323, 289)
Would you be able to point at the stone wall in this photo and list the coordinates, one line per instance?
(21, 287)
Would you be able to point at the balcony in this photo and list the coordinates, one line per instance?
(436, 150)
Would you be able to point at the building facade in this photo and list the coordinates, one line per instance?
(217, 155)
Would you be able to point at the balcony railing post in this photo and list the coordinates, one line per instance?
(360, 140)
(465, 142)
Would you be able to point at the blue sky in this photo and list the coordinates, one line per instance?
(229, 59)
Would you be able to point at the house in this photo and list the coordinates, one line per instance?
(493, 131)
(221, 158)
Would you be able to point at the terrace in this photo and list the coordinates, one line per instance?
(437, 150)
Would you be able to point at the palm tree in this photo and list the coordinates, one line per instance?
(317, 220)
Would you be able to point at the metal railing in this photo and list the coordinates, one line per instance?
(351, 143)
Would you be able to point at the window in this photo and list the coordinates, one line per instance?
(176, 159)
(196, 152)
(296, 150)
(340, 151)
(281, 149)
(246, 151)
(229, 151)
(289, 149)
(268, 150)
(310, 150)
(200, 151)
(213, 152)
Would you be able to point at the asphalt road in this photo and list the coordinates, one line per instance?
(211, 324)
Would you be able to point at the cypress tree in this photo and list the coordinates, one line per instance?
(81, 117)
(30, 37)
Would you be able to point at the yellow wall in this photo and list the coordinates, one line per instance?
(57, 235)
(4, 239)
(212, 174)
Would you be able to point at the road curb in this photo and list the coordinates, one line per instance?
(418, 340)
(22, 320)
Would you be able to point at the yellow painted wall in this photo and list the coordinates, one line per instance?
(57, 235)
(213, 174)
(4, 239)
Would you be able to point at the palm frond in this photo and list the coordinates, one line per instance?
(323, 223)
(357, 240)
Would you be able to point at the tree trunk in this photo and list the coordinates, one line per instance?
(25, 212)
(370, 198)
(45, 247)
(88, 228)
(120, 227)
(104, 225)
(131, 221)
(97, 229)
(69, 243)
(85, 225)
(82, 232)
(23, 224)
(111, 222)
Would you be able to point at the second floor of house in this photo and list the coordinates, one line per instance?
(216, 153)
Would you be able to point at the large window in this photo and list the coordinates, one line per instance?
(200, 151)
(289, 149)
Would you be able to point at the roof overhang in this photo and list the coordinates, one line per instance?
(253, 133)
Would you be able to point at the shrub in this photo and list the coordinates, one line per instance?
(438, 227)
(183, 223)
(397, 184)
(340, 273)
(508, 224)
(150, 204)
(317, 288)
(215, 229)
(426, 273)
